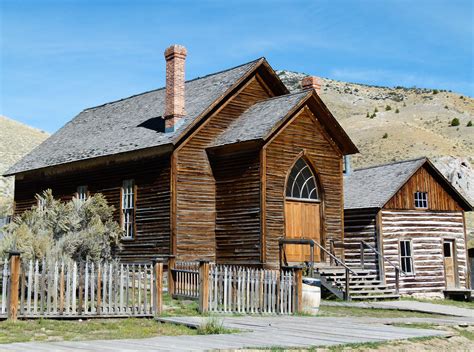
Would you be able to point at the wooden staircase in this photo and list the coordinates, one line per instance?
(363, 286)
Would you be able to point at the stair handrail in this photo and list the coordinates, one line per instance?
(397, 268)
(312, 242)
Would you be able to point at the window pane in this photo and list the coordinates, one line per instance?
(301, 183)
(447, 249)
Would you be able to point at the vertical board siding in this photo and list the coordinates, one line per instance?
(360, 225)
(426, 230)
(195, 184)
(423, 181)
(238, 208)
(303, 134)
(151, 177)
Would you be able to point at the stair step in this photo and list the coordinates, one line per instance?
(375, 297)
(368, 292)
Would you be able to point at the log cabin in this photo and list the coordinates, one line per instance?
(407, 215)
(219, 167)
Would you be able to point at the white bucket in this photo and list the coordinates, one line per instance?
(311, 296)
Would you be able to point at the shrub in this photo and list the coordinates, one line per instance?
(385, 136)
(446, 107)
(373, 115)
(435, 91)
(368, 115)
(388, 108)
(397, 111)
(455, 122)
(469, 124)
(376, 110)
(78, 230)
(213, 326)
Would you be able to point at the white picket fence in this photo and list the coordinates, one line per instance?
(55, 289)
(4, 282)
(251, 291)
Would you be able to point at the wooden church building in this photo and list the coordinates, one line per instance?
(219, 167)
(407, 215)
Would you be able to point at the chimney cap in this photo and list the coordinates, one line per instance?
(175, 50)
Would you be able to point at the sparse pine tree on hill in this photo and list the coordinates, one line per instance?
(469, 124)
(376, 110)
(397, 111)
(368, 115)
(385, 136)
(435, 91)
(388, 108)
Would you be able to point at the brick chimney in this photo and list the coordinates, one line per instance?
(175, 57)
(311, 82)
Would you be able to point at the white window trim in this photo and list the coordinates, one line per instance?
(417, 199)
(412, 272)
(127, 215)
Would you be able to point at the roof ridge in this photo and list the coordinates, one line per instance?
(161, 88)
(389, 164)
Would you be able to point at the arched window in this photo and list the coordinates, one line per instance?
(301, 182)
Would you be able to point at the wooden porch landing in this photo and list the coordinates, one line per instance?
(284, 331)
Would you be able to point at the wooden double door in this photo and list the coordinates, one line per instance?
(302, 220)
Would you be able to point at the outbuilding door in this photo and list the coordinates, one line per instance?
(302, 212)
(449, 270)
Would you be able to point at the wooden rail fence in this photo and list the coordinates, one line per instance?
(68, 289)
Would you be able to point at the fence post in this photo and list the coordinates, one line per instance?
(347, 295)
(171, 282)
(397, 280)
(203, 286)
(158, 290)
(299, 289)
(14, 258)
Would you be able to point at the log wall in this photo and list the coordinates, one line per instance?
(426, 230)
(195, 199)
(360, 225)
(152, 180)
(238, 208)
(303, 134)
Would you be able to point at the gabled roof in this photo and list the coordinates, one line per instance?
(130, 124)
(373, 187)
(259, 121)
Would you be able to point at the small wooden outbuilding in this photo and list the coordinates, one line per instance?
(407, 215)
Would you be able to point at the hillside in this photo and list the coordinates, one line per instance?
(417, 122)
(16, 140)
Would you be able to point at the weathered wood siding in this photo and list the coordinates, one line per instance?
(152, 180)
(423, 181)
(238, 208)
(426, 230)
(360, 225)
(302, 134)
(195, 202)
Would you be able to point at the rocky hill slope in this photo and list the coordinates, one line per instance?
(389, 124)
(16, 140)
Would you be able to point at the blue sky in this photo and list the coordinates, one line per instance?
(59, 57)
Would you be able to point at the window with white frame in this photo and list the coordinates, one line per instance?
(421, 200)
(128, 208)
(406, 257)
(82, 193)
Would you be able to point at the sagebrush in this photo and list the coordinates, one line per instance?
(77, 229)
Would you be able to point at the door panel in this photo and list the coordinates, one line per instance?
(450, 274)
(302, 220)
